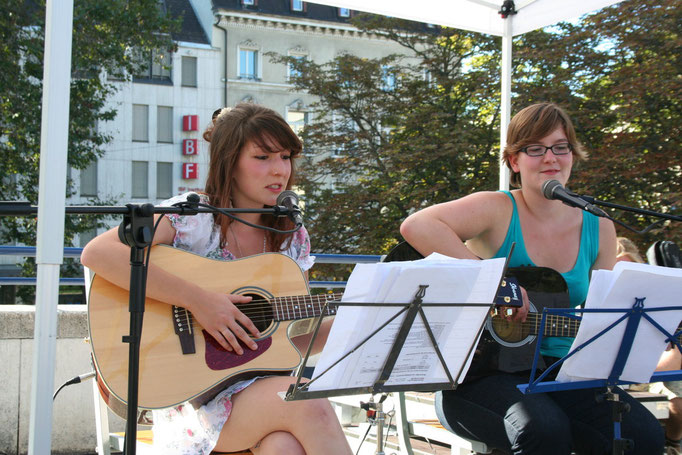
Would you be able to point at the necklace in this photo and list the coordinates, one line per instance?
(236, 241)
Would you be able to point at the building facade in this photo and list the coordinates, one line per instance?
(157, 150)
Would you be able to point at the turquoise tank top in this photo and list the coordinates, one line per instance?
(577, 279)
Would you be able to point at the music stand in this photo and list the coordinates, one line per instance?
(633, 317)
(299, 391)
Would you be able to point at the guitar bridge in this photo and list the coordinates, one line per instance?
(182, 323)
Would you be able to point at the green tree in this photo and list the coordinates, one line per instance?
(617, 73)
(392, 149)
(395, 134)
(105, 33)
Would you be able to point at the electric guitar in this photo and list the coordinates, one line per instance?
(179, 361)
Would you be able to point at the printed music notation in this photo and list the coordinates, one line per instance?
(456, 328)
(659, 287)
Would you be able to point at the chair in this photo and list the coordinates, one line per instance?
(664, 253)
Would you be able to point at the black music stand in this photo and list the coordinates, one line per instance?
(136, 230)
(300, 391)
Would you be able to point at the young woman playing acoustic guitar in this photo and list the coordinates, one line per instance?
(251, 151)
(541, 146)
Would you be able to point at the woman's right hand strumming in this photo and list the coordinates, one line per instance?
(219, 315)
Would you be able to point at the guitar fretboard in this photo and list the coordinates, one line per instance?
(303, 306)
(555, 326)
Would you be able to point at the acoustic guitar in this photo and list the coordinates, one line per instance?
(179, 361)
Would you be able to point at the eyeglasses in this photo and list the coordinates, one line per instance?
(540, 150)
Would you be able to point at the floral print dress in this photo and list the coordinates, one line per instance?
(183, 429)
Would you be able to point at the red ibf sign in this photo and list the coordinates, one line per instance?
(190, 123)
(190, 147)
(190, 171)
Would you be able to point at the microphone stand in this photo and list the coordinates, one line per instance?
(594, 201)
(136, 230)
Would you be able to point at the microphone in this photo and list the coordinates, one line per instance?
(289, 200)
(552, 189)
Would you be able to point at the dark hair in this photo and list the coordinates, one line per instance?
(532, 124)
(228, 133)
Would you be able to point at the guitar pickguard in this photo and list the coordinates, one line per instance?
(218, 358)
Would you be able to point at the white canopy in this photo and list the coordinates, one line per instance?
(476, 15)
(473, 15)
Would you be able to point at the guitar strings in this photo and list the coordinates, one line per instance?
(289, 307)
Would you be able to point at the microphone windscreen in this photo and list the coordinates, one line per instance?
(287, 194)
(548, 188)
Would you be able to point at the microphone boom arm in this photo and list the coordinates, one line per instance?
(611, 205)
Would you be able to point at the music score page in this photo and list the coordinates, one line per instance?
(661, 287)
(456, 329)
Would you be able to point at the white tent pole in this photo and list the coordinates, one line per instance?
(54, 134)
(505, 106)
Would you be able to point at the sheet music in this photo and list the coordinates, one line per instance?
(455, 328)
(661, 287)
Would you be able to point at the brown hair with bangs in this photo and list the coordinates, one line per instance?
(533, 123)
(230, 131)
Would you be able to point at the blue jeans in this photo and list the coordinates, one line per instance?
(494, 411)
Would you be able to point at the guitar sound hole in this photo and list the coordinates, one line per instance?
(509, 331)
(259, 310)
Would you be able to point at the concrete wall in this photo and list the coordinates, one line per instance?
(73, 424)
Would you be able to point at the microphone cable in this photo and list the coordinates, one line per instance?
(78, 379)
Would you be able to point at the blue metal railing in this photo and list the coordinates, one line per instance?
(72, 252)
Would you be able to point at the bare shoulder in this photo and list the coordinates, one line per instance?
(480, 202)
(477, 214)
(608, 244)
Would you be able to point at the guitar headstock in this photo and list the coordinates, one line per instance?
(509, 293)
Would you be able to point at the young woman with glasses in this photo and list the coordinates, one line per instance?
(541, 146)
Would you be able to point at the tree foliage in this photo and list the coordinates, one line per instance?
(375, 152)
(393, 134)
(105, 33)
(617, 73)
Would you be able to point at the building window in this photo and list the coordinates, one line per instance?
(428, 77)
(154, 67)
(140, 123)
(88, 186)
(296, 5)
(345, 131)
(344, 12)
(164, 124)
(388, 78)
(297, 120)
(248, 2)
(189, 71)
(248, 64)
(293, 72)
(140, 179)
(164, 180)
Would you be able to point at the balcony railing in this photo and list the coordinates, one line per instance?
(72, 252)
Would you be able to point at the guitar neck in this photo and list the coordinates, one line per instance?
(291, 308)
(555, 325)
(558, 326)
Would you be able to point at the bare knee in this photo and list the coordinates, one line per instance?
(279, 442)
(319, 413)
